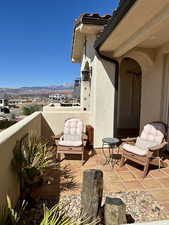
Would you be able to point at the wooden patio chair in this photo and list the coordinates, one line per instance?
(73, 139)
(145, 149)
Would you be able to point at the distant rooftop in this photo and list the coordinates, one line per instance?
(3, 96)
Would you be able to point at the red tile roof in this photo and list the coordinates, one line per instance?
(94, 18)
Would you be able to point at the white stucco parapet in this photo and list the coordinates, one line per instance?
(7, 133)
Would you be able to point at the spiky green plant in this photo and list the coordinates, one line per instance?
(58, 215)
(31, 160)
(10, 215)
(15, 214)
(4, 213)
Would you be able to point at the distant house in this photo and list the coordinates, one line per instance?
(57, 97)
(3, 101)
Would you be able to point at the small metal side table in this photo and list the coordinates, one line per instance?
(111, 143)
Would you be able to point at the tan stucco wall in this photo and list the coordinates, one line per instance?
(9, 183)
(151, 93)
(165, 91)
(103, 94)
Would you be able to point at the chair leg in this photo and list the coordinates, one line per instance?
(82, 158)
(146, 168)
(122, 161)
(58, 157)
(164, 164)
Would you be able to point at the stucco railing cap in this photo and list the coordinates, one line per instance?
(9, 132)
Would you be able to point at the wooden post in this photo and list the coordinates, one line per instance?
(114, 211)
(91, 195)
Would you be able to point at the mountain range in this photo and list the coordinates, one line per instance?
(39, 90)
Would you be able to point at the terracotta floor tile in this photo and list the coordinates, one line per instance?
(151, 183)
(166, 161)
(164, 182)
(126, 176)
(114, 187)
(133, 169)
(133, 185)
(160, 195)
(107, 169)
(157, 173)
(166, 170)
(111, 178)
(138, 174)
(123, 168)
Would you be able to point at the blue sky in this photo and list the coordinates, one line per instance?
(36, 39)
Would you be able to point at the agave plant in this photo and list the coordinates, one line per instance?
(58, 215)
(10, 215)
(31, 159)
(4, 213)
(15, 214)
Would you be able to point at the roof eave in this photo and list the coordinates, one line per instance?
(114, 21)
(86, 19)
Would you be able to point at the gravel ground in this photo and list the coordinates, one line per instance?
(140, 207)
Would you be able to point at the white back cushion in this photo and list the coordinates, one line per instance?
(153, 133)
(73, 129)
(145, 144)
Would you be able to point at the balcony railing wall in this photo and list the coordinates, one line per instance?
(40, 124)
(9, 182)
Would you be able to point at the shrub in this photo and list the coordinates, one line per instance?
(6, 123)
(29, 109)
(30, 161)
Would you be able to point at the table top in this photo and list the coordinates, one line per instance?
(109, 140)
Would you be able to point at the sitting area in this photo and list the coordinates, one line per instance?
(73, 139)
(146, 149)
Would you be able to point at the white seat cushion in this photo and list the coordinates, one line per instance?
(134, 149)
(70, 143)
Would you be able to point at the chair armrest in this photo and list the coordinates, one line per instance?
(128, 139)
(57, 137)
(158, 147)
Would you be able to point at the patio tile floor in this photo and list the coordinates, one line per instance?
(125, 179)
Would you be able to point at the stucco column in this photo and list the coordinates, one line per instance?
(85, 95)
(103, 100)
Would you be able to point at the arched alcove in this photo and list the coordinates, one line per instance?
(129, 98)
